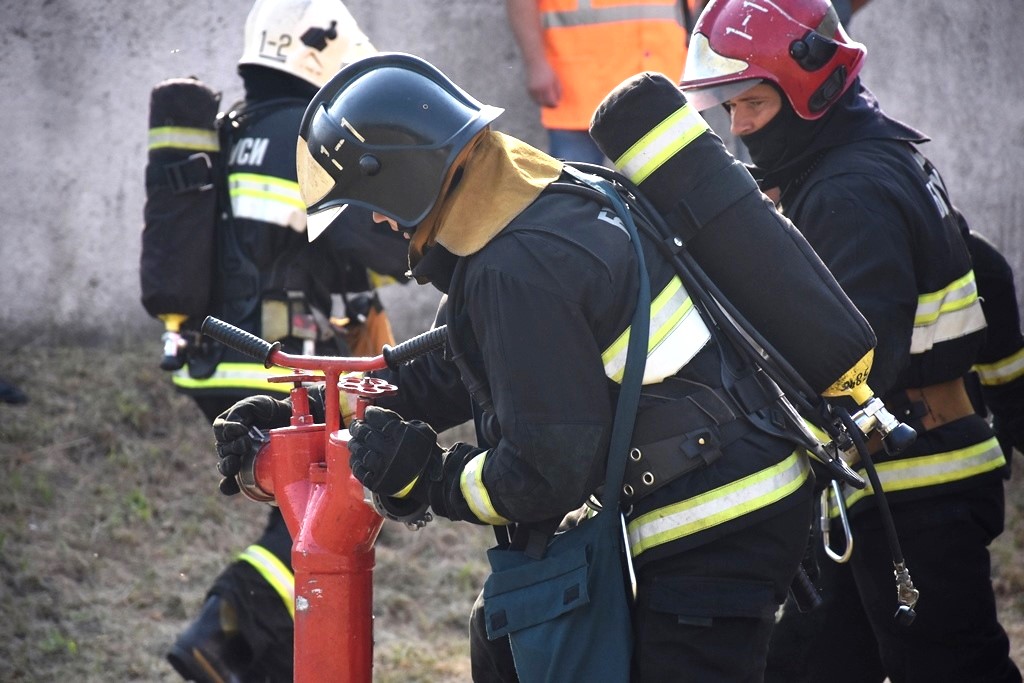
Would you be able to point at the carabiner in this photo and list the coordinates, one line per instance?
(826, 524)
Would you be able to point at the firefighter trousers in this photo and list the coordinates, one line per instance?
(263, 620)
(956, 636)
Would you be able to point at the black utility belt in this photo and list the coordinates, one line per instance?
(707, 425)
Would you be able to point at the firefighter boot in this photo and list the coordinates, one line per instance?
(211, 650)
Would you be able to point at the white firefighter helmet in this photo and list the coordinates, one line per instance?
(311, 39)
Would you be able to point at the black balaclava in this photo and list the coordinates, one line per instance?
(263, 83)
(788, 144)
(785, 139)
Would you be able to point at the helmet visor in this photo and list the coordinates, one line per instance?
(711, 78)
(314, 184)
(319, 221)
(709, 96)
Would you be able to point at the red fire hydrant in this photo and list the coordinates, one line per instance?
(304, 469)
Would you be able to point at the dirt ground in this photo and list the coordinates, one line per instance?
(111, 529)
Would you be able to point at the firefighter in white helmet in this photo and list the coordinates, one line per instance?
(268, 278)
(308, 39)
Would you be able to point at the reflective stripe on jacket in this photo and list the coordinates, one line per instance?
(934, 469)
(949, 313)
(268, 199)
(229, 375)
(548, 459)
(718, 506)
(274, 572)
(878, 214)
(677, 333)
(1002, 371)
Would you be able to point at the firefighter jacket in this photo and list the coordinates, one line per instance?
(270, 281)
(877, 213)
(595, 45)
(537, 321)
(1000, 363)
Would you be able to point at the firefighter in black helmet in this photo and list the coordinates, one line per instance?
(541, 287)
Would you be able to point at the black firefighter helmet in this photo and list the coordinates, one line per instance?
(383, 134)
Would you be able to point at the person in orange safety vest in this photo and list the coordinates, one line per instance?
(576, 51)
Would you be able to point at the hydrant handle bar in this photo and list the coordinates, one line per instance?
(419, 345)
(239, 340)
(270, 354)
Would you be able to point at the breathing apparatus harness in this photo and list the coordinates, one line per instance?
(785, 388)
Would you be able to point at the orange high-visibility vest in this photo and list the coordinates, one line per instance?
(594, 45)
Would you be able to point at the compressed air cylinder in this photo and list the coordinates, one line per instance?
(753, 254)
(176, 266)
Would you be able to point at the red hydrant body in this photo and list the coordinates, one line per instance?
(305, 469)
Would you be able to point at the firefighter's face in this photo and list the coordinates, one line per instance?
(751, 110)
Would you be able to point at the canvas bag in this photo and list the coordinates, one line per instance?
(568, 614)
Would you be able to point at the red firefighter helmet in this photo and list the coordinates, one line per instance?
(799, 45)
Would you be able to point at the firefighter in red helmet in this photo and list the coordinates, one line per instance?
(876, 210)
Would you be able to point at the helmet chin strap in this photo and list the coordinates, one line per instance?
(424, 233)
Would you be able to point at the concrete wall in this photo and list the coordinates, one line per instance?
(75, 77)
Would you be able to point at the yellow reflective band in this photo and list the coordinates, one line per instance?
(1001, 372)
(267, 198)
(718, 506)
(405, 492)
(677, 333)
(949, 313)
(932, 470)
(256, 184)
(235, 376)
(176, 137)
(957, 295)
(275, 572)
(661, 143)
(471, 483)
(378, 280)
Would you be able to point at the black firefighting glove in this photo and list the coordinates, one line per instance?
(240, 428)
(388, 455)
(243, 426)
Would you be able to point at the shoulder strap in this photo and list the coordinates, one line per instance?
(636, 353)
(532, 539)
(242, 113)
